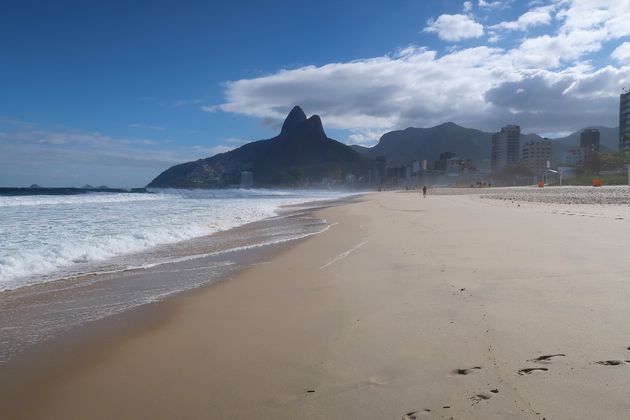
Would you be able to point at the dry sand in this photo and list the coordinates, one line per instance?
(424, 308)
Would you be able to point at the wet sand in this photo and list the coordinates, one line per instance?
(445, 307)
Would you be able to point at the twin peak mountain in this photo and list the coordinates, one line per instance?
(300, 155)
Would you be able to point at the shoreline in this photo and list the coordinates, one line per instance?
(36, 313)
(405, 305)
(38, 367)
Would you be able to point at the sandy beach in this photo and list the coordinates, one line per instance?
(449, 307)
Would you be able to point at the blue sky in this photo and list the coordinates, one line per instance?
(115, 92)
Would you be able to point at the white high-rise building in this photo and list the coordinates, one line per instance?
(506, 147)
(536, 154)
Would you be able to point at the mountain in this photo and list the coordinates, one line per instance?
(300, 154)
(404, 146)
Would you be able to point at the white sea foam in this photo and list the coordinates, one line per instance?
(78, 199)
(42, 235)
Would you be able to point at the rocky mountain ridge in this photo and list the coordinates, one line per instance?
(301, 155)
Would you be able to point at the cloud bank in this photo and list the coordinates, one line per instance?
(550, 82)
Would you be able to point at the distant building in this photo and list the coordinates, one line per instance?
(247, 179)
(378, 172)
(624, 121)
(351, 179)
(396, 172)
(506, 147)
(440, 164)
(536, 154)
(454, 166)
(573, 156)
(328, 181)
(415, 167)
(589, 140)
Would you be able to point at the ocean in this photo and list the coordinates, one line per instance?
(66, 260)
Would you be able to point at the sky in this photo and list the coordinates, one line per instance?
(112, 93)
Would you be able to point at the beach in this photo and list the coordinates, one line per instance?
(451, 306)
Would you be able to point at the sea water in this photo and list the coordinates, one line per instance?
(69, 260)
(43, 238)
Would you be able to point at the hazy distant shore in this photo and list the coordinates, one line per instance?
(449, 306)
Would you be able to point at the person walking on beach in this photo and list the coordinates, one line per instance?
(424, 191)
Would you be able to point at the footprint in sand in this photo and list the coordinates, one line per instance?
(376, 380)
(410, 415)
(546, 358)
(610, 362)
(480, 397)
(527, 371)
(466, 371)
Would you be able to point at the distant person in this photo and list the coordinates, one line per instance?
(424, 191)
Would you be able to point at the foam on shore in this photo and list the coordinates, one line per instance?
(46, 238)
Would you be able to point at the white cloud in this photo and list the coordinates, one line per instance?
(602, 83)
(467, 6)
(365, 138)
(454, 27)
(535, 17)
(622, 53)
(491, 4)
(585, 26)
(608, 16)
(493, 38)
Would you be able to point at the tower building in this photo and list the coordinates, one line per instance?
(589, 140)
(535, 156)
(624, 121)
(505, 147)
